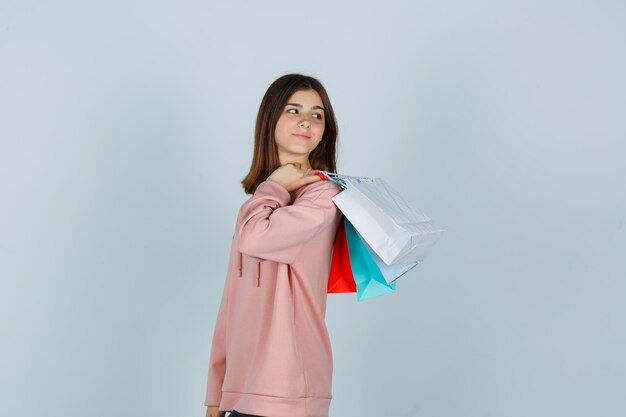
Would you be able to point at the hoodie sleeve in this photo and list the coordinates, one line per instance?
(217, 361)
(272, 229)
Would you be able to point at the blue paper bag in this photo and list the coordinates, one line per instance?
(370, 282)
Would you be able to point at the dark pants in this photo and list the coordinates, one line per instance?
(236, 413)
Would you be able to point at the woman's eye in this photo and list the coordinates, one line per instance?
(320, 117)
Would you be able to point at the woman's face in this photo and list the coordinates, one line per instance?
(302, 115)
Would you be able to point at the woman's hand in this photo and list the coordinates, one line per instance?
(214, 411)
(293, 176)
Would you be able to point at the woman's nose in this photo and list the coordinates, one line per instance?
(305, 122)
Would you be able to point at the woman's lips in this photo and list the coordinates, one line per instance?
(301, 136)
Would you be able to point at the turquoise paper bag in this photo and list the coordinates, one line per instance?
(370, 282)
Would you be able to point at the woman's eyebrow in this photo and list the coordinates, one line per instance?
(300, 105)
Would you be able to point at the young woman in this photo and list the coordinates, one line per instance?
(271, 354)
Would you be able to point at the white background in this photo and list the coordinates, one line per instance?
(126, 128)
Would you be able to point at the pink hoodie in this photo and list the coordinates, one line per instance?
(271, 353)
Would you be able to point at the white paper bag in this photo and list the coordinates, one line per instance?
(397, 231)
(390, 272)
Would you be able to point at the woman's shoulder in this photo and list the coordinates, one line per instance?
(315, 189)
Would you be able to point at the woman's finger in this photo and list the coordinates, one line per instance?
(311, 178)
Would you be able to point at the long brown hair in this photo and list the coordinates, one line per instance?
(265, 155)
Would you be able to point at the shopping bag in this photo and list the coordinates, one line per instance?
(394, 229)
(370, 282)
(341, 279)
(390, 272)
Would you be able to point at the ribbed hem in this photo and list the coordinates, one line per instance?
(264, 405)
(213, 397)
